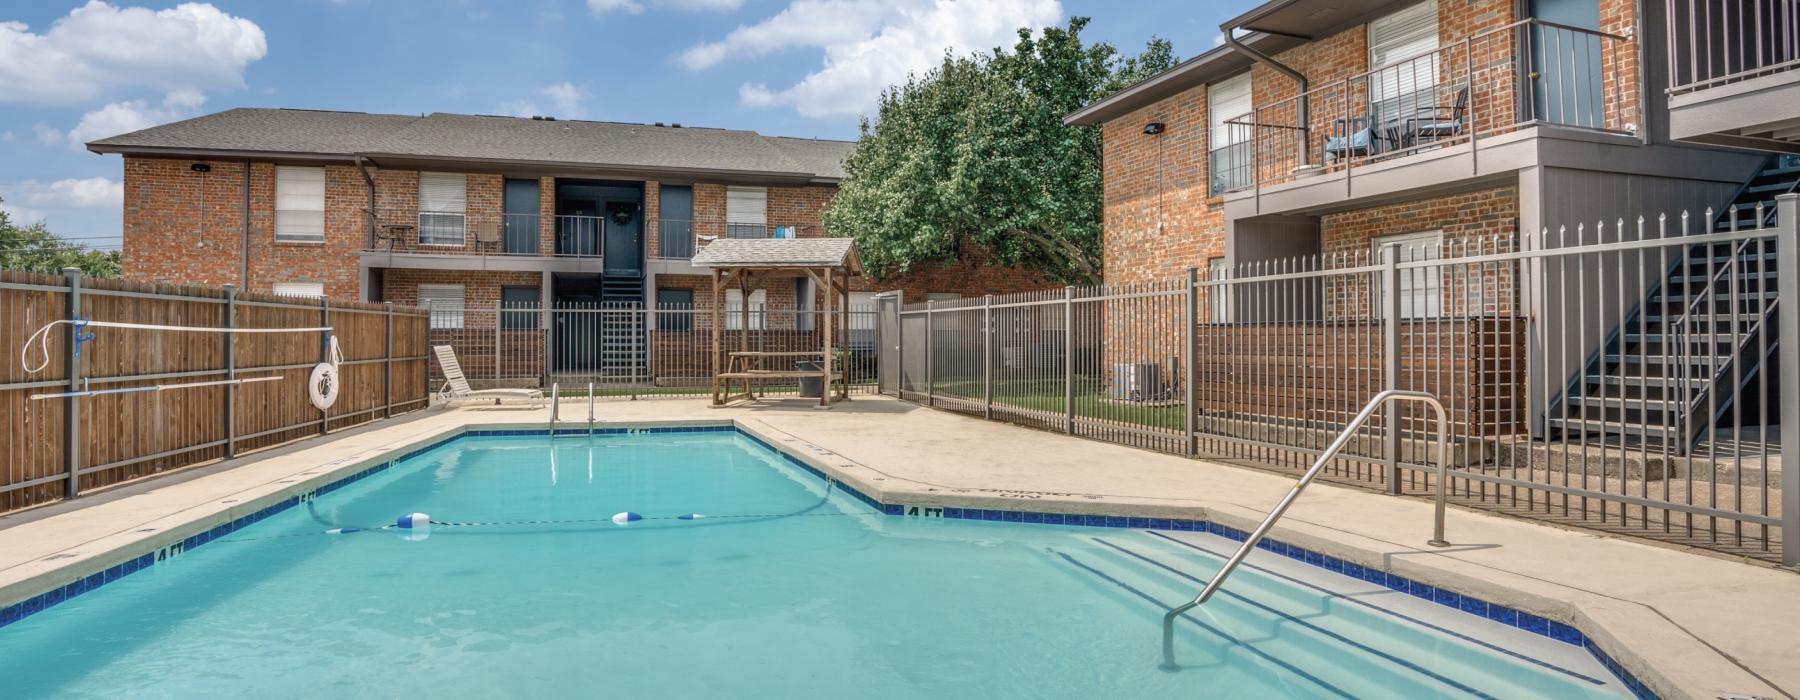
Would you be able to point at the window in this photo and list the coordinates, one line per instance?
(1218, 300)
(1403, 53)
(747, 212)
(300, 289)
(862, 311)
(734, 308)
(519, 308)
(678, 309)
(803, 304)
(446, 302)
(1421, 288)
(299, 204)
(1228, 154)
(443, 197)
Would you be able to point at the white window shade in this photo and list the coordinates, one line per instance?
(300, 289)
(747, 212)
(446, 303)
(1225, 100)
(734, 309)
(862, 311)
(443, 198)
(1402, 52)
(1421, 288)
(299, 204)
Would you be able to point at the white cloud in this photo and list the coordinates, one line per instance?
(632, 7)
(21, 215)
(125, 117)
(601, 7)
(47, 134)
(99, 47)
(8, 137)
(83, 193)
(869, 45)
(566, 101)
(803, 24)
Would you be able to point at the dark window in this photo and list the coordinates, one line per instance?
(678, 309)
(519, 308)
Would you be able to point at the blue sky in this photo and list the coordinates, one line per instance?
(73, 71)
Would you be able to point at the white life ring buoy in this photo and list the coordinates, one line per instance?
(322, 386)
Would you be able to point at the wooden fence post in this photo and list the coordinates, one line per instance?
(325, 354)
(387, 374)
(230, 371)
(72, 404)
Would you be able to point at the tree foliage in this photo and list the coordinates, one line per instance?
(973, 158)
(35, 249)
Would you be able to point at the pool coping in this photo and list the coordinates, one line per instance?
(1559, 619)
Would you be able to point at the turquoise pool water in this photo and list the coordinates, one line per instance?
(789, 587)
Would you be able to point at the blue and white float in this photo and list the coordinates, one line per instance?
(690, 516)
(413, 526)
(626, 518)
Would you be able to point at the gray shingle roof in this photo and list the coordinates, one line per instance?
(461, 136)
(778, 252)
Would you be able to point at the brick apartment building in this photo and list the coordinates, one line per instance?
(1326, 133)
(471, 212)
(281, 199)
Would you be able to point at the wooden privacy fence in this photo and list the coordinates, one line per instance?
(57, 448)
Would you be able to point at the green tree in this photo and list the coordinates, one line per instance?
(973, 157)
(35, 249)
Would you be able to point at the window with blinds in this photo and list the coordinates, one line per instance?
(747, 212)
(443, 198)
(1403, 55)
(446, 303)
(1229, 152)
(1421, 288)
(734, 309)
(299, 204)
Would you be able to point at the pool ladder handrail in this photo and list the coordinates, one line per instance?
(1337, 445)
(555, 405)
(590, 410)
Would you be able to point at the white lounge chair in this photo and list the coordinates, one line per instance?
(456, 386)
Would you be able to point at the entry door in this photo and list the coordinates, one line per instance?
(1566, 84)
(624, 239)
(576, 319)
(521, 208)
(887, 340)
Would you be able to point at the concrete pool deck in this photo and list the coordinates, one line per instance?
(1687, 624)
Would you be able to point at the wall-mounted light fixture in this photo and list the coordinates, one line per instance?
(1154, 128)
(201, 167)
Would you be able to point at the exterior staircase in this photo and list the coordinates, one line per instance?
(623, 350)
(1693, 350)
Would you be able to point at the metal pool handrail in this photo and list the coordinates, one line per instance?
(555, 405)
(1343, 438)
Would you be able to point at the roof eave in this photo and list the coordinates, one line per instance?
(221, 153)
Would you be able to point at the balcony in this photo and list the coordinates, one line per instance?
(1490, 85)
(1734, 73)
(400, 237)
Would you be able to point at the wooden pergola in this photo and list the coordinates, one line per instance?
(745, 262)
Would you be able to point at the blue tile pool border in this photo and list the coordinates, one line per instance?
(1502, 614)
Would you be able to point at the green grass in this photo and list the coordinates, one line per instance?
(1090, 402)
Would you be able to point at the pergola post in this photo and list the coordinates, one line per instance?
(717, 310)
(825, 393)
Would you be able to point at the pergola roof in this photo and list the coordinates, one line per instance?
(780, 253)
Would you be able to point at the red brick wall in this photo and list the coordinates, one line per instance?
(1159, 219)
(1484, 221)
(800, 206)
(166, 238)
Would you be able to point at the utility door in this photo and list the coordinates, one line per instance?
(1566, 64)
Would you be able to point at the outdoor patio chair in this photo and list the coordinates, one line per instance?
(456, 386)
(1350, 137)
(1438, 122)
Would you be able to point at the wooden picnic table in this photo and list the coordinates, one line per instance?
(741, 365)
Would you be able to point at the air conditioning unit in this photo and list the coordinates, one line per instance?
(1137, 381)
(487, 232)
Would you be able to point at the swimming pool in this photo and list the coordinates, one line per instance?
(525, 587)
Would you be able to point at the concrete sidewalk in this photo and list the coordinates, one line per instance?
(1687, 624)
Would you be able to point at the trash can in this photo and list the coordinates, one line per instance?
(811, 387)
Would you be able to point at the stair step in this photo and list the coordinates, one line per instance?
(1643, 381)
(1589, 425)
(1627, 401)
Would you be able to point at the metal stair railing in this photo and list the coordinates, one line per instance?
(1380, 400)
